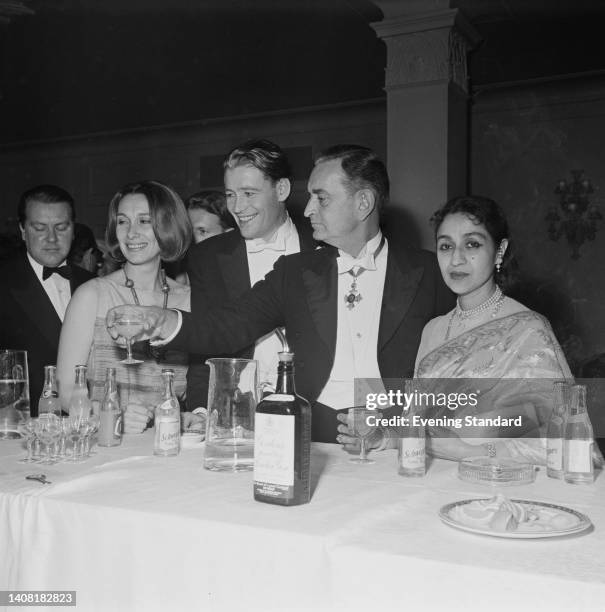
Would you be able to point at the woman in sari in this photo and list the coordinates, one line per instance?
(487, 336)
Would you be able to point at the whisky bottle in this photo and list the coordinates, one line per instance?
(282, 442)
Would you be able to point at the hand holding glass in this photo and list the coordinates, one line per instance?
(358, 424)
(128, 322)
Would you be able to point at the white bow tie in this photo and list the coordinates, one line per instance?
(346, 263)
(258, 245)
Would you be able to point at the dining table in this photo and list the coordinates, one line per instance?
(127, 530)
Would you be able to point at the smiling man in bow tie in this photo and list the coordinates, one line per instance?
(38, 283)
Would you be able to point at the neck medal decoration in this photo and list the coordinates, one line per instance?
(354, 297)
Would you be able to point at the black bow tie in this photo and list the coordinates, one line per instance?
(64, 271)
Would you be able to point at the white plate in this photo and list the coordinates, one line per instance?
(527, 530)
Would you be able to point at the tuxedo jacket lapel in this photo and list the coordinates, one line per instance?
(321, 283)
(400, 287)
(233, 264)
(36, 304)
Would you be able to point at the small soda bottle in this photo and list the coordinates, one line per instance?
(556, 431)
(49, 399)
(577, 448)
(167, 440)
(411, 447)
(110, 415)
(79, 403)
(282, 442)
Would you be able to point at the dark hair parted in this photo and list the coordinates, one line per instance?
(363, 169)
(213, 202)
(264, 155)
(486, 212)
(169, 219)
(47, 194)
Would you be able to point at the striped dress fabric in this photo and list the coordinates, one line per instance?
(141, 383)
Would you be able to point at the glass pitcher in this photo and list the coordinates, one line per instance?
(232, 398)
(14, 391)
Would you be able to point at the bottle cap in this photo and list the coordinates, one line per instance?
(285, 356)
(168, 371)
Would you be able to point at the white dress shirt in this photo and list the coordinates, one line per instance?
(57, 288)
(356, 354)
(262, 255)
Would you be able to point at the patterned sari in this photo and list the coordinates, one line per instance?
(511, 364)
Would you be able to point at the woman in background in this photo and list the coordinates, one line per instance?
(208, 214)
(209, 217)
(147, 224)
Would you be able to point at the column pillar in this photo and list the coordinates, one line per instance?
(427, 111)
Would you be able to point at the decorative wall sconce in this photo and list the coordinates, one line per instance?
(580, 217)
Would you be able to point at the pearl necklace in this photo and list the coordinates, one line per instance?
(165, 287)
(494, 301)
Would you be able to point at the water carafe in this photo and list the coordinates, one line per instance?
(232, 398)
(14, 392)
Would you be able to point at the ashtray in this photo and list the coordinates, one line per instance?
(491, 470)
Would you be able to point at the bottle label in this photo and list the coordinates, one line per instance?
(412, 453)
(578, 456)
(278, 397)
(554, 454)
(168, 435)
(274, 455)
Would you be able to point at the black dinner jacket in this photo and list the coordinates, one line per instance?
(218, 272)
(28, 320)
(301, 294)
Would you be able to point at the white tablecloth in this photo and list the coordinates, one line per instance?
(130, 531)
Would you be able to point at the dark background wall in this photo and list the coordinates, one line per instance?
(84, 67)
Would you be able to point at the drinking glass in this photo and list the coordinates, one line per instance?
(14, 392)
(128, 322)
(77, 428)
(49, 431)
(62, 443)
(358, 424)
(92, 426)
(28, 429)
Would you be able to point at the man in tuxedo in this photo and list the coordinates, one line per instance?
(257, 178)
(353, 309)
(38, 283)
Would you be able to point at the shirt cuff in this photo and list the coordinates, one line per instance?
(173, 335)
